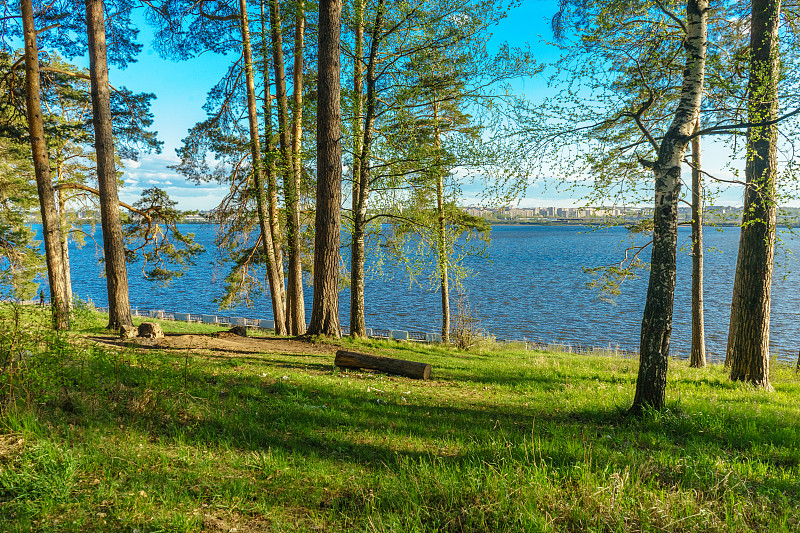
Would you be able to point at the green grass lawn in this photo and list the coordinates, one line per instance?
(101, 440)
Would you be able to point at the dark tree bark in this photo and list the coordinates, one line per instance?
(276, 287)
(41, 164)
(119, 309)
(297, 309)
(295, 306)
(651, 382)
(361, 170)
(358, 326)
(698, 355)
(325, 307)
(270, 170)
(411, 369)
(748, 336)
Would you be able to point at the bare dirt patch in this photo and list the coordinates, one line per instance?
(221, 343)
(11, 445)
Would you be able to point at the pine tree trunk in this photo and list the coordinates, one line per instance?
(651, 382)
(361, 178)
(258, 175)
(297, 314)
(41, 165)
(271, 172)
(748, 340)
(119, 308)
(325, 307)
(295, 307)
(358, 327)
(64, 233)
(698, 355)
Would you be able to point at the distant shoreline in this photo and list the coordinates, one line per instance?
(597, 224)
(558, 223)
(578, 223)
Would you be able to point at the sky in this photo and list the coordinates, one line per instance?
(181, 89)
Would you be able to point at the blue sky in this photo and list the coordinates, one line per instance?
(181, 89)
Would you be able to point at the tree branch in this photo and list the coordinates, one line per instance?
(81, 187)
(74, 75)
(50, 27)
(735, 182)
(637, 117)
(742, 125)
(672, 15)
(389, 215)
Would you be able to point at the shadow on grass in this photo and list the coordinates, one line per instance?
(169, 396)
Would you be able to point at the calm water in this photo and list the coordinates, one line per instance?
(532, 286)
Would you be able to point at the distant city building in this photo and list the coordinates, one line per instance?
(714, 214)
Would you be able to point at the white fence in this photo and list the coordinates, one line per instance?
(377, 333)
(267, 324)
(374, 333)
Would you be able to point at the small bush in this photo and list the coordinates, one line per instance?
(465, 333)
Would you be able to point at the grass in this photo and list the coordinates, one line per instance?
(99, 440)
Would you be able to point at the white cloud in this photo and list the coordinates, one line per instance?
(152, 171)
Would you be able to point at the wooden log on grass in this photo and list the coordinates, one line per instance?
(410, 369)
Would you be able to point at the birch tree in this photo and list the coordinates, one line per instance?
(651, 382)
(627, 39)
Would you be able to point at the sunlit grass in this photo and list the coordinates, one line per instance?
(500, 440)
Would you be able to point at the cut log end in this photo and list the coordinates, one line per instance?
(388, 365)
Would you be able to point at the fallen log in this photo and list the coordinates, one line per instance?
(410, 369)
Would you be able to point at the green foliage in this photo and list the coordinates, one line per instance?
(19, 257)
(217, 148)
(20, 261)
(430, 86)
(85, 317)
(417, 243)
(617, 85)
(68, 126)
(152, 236)
(428, 225)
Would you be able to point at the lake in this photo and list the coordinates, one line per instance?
(531, 286)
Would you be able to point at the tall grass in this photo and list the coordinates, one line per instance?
(121, 440)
